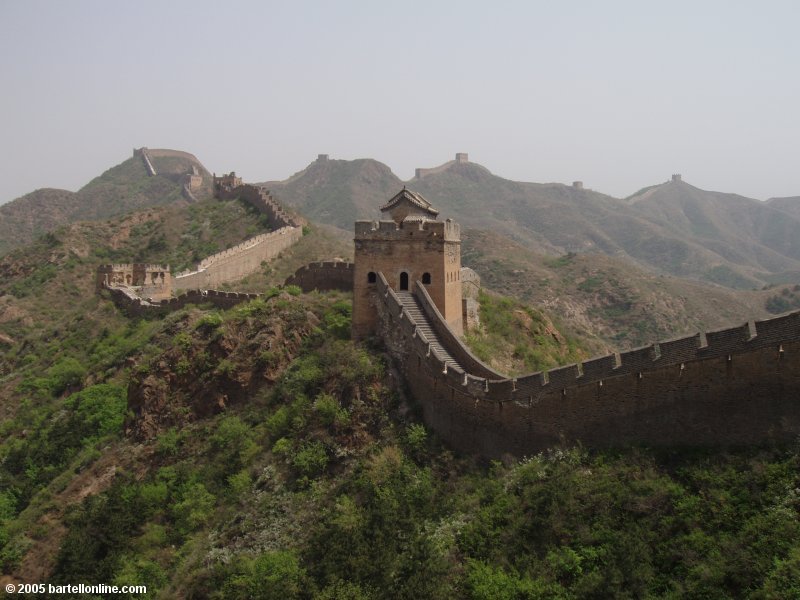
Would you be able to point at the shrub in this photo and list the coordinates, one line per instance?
(167, 444)
(194, 508)
(311, 459)
(276, 576)
(68, 372)
(99, 410)
(209, 322)
(234, 444)
(416, 439)
(329, 410)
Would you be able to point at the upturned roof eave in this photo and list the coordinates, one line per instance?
(415, 198)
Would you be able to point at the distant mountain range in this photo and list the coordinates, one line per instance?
(672, 228)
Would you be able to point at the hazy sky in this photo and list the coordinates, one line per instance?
(617, 94)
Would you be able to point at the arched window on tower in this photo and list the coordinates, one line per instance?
(404, 281)
(426, 278)
(372, 277)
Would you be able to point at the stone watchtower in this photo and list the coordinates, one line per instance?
(410, 246)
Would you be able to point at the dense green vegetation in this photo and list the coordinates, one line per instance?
(317, 487)
(286, 462)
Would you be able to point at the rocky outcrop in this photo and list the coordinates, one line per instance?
(209, 364)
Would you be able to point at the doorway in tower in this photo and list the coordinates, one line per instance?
(404, 281)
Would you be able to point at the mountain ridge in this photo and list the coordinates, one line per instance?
(120, 189)
(707, 244)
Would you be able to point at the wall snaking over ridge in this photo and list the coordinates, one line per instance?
(229, 265)
(245, 258)
(237, 262)
(735, 386)
(260, 199)
(148, 164)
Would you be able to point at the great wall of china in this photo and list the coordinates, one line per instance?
(141, 288)
(730, 387)
(191, 181)
(736, 386)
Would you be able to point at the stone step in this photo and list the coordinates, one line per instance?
(424, 326)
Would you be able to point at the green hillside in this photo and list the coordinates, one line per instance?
(338, 192)
(258, 453)
(120, 190)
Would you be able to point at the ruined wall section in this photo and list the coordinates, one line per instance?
(323, 276)
(734, 386)
(187, 194)
(239, 261)
(148, 280)
(127, 300)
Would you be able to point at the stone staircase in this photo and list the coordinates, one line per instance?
(412, 306)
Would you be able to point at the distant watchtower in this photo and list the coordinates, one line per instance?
(410, 246)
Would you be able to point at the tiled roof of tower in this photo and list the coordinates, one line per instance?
(415, 198)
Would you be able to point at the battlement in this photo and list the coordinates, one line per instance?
(389, 230)
(676, 177)
(136, 306)
(258, 197)
(323, 276)
(734, 385)
(143, 266)
(239, 261)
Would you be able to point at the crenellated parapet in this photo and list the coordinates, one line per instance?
(392, 231)
(239, 261)
(324, 276)
(733, 386)
(134, 305)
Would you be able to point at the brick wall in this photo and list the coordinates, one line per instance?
(724, 387)
(323, 276)
(239, 261)
(133, 305)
